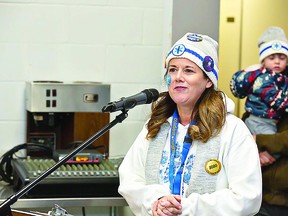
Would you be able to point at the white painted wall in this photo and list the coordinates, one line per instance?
(111, 41)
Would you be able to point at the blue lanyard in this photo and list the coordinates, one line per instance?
(175, 181)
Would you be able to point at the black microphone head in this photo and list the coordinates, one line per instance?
(152, 95)
(144, 97)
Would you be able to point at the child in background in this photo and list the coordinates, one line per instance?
(265, 85)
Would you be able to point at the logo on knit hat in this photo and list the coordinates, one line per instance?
(178, 50)
(208, 63)
(276, 46)
(194, 37)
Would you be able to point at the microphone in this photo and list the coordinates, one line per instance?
(144, 97)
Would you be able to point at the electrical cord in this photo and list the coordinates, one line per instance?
(6, 169)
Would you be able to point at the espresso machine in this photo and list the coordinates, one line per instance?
(61, 115)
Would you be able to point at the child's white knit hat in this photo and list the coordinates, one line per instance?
(272, 41)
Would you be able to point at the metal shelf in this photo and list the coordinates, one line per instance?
(26, 203)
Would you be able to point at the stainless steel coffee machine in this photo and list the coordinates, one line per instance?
(62, 114)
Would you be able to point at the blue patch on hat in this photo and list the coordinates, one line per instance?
(194, 37)
(178, 50)
(208, 63)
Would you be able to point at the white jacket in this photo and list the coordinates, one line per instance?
(238, 185)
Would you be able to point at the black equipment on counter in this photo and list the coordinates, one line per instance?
(69, 180)
(5, 207)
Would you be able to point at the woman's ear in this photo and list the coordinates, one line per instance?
(209, 83)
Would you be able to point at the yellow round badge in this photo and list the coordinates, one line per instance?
(213, 166)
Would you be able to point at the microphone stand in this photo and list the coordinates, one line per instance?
(5, 209)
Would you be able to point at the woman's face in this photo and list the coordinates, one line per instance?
(188, 82)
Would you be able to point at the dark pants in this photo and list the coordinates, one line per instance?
(272, 210)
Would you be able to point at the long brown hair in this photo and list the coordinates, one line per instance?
(209, 114)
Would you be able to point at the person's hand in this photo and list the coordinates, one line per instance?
(266, 159)
(169, 205)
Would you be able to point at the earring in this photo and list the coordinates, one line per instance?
(168, 79)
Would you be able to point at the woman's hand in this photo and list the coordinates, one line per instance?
(169, 205)
(266, 159)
